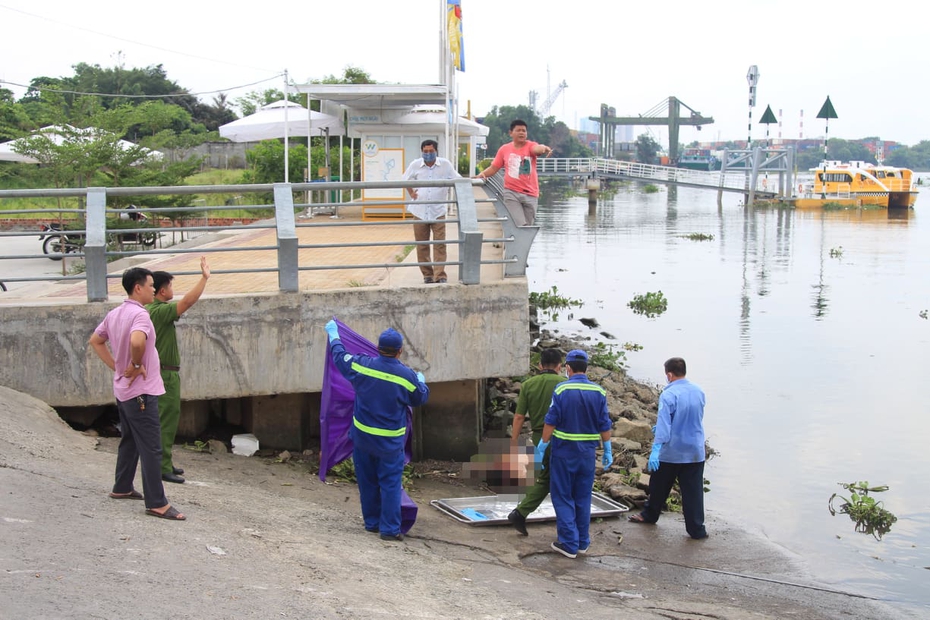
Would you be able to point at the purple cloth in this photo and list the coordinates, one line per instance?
(336, 408)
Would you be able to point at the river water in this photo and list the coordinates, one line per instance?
(803, 327)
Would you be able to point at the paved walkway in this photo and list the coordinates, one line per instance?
(248, 255)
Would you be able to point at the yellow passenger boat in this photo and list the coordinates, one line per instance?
(858, 184)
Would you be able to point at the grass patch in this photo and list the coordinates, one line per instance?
(698, 237)
(404, 253)
(649, 188)
(836, 252)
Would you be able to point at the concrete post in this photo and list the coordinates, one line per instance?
(95, 245)
(288, 281)
(469, 235)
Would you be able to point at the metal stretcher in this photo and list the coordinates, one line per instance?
(493, 509)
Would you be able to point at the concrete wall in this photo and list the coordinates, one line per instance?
(274, 344)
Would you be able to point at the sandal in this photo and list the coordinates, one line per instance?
(637, 518)
(130, 495)
(171, 514)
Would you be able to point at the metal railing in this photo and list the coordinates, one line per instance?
(735, 181)
(283, 218)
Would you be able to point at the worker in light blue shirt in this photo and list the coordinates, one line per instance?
(678, 451)
(577, 423)
(384, 389)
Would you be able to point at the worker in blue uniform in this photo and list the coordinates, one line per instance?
(384, 389)
(576, 424)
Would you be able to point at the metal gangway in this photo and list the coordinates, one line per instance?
(763, 173)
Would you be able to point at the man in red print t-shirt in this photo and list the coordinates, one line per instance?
(521, 186)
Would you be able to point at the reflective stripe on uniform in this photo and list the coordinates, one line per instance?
(384, 376)
(576, 436)
(570, 385)
(381, 432)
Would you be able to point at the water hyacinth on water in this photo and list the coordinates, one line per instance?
(651, 304)
(869, 515)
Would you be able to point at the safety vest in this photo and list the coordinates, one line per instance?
(577, 436)
(382, 376)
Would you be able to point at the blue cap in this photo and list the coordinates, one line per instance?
(577, 355)
(391, 339)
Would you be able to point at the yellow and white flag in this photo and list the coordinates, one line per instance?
(454, 30)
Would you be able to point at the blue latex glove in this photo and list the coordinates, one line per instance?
(654, 457)
(608, 459)
(332, 330)
(540, 451)
(653, 429)
(421, 378)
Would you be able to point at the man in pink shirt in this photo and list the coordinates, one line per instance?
(131, 354)
(521, 186)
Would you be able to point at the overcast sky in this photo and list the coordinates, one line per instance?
(869, 58)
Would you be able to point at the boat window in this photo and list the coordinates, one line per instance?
(880, 174)
(836, 177)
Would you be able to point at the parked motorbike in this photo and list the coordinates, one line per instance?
(58, 242)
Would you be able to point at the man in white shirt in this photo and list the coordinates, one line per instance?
(430, 167)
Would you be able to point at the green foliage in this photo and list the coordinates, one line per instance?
(698, 237)
(651, 304)
(266, 162)
(922, 314)
(646, 149)
(544, 131)
(404, 253)
(869, 515)
(608, 357)
(836, 252)
(551, 299)
(199, 446)
(649, 188)
(344, 471)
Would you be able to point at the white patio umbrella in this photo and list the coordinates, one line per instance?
(269, 122)
(57, 135)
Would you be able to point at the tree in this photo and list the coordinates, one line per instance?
(251, 102)
(350, 75)
(14, 121)
(646, 149)
(266, 162)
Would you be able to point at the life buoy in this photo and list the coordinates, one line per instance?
(764, 183)
(800, 188)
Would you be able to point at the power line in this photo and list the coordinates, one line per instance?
(77, 92)
(155, 47)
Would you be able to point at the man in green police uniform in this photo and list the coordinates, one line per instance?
(164, 315)
(535, 398)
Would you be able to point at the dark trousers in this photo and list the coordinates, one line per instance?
(690, 477)
(380, 478)
(141, 442)
(537, 493)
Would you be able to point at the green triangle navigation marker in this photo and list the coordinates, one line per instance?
(769, 117)
(827, 110)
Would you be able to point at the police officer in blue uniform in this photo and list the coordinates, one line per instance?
(384, 388)
(576, 424)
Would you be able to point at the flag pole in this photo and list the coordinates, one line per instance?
(286, 162)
